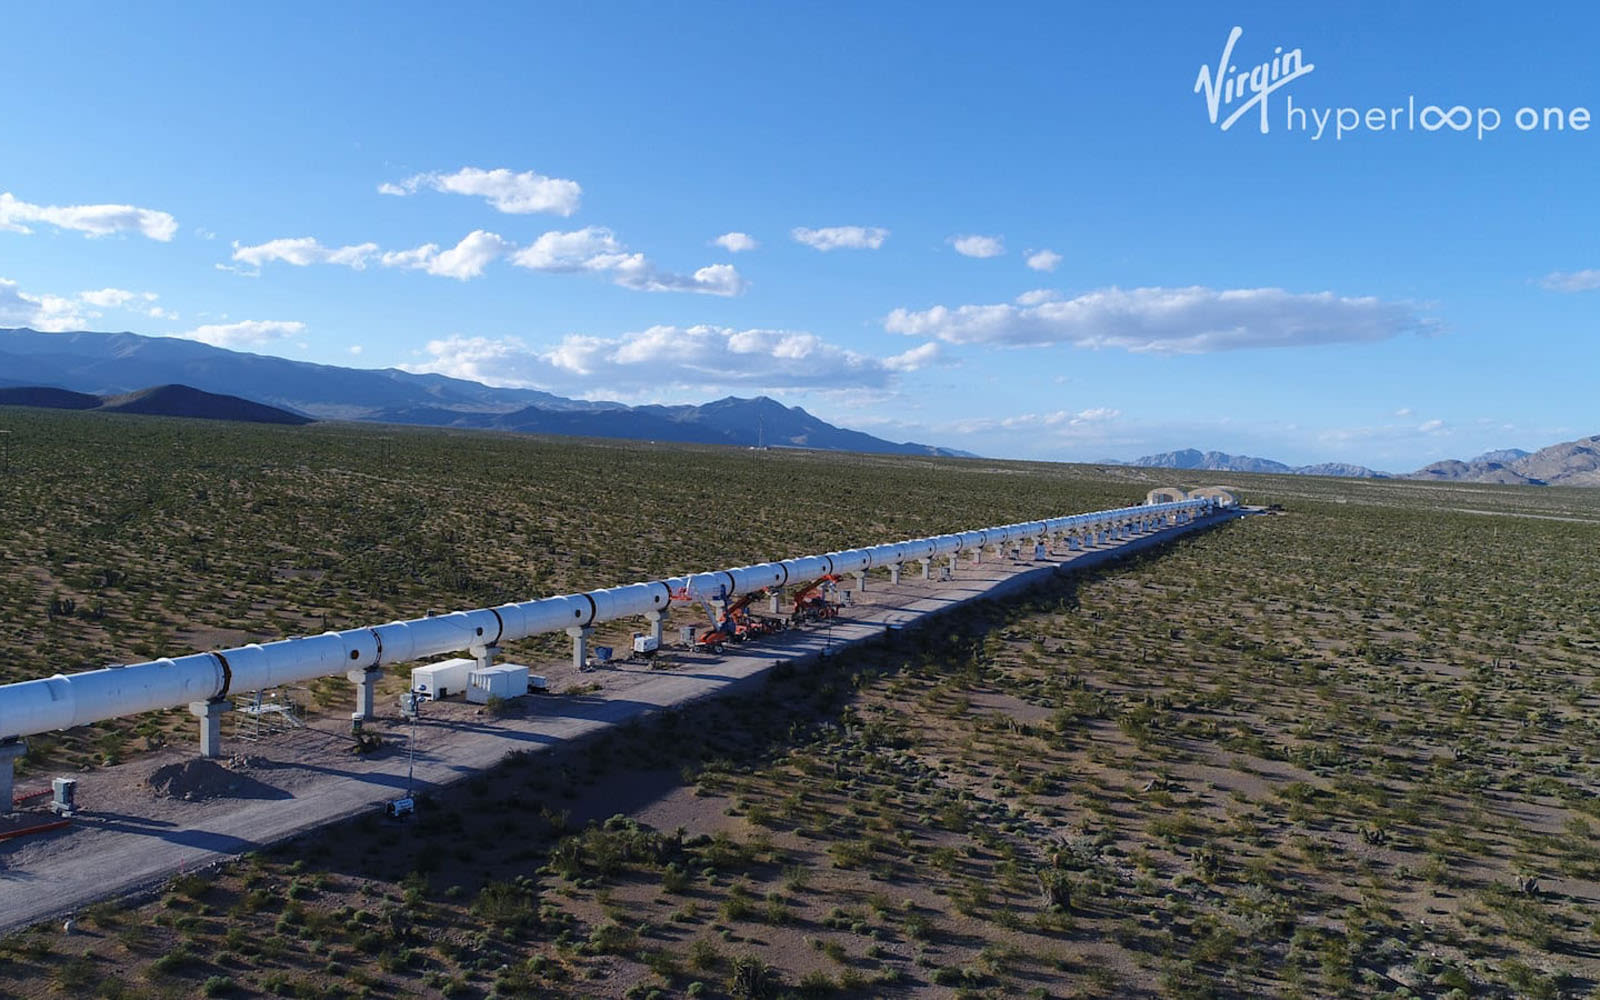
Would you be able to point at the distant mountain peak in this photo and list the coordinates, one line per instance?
(104, 364)
(1221, 461)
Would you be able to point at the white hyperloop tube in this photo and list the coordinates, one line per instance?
(808, 568)
(922, 548)
(879, 556)
(760, 577)
(633, 599)
(851, 561)
(971, 540)
(64, 701)
(549, 614)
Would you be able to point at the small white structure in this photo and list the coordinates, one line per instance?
(444, 679)
(503, 680)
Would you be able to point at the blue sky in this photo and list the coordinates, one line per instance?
(1007, 228)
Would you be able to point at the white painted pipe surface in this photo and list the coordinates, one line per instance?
(64, 701)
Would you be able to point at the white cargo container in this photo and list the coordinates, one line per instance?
(443, 679)
(503, 680)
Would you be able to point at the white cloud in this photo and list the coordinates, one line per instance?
(597, 249)
(467, 259)
(1070, 423)
(246, 333)
(978, 246)
(49, 313)
(1430, 426)
(666, 357)
(512, 193)
(1037, 296)
(736, 242)
(56, 313)
(93, 220)
(1191, 320)
(304, 251)
(355, 349)
(1404, 411)
(115, 298)
(916, 358)
(841, 237)
(592, 248)
(1571, 281)
(1044, 260)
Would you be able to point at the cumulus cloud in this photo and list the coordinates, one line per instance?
(512, 193)
(1571, 281)
(978, 246)
(1431, 426)
(917, 358)
(1068, 421)
(841, 237)
(116, 298)
(597, 249)
(49, 313)
(736, 242)
(592, 249)
(57, 313)
(92, 220)
(467, 259)
(1191, 320)
(667, 357)
(1044, 260)
(304, 251)
(246, 333)
(1037, 296)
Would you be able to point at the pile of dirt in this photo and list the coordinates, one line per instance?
(197, 780)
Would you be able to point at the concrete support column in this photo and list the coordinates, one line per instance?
(861, 582)
(977, 555)
(927, 569)
(580, 646)
(775, 602)
(210, 715)
(484, 655)
(894, 575)
(366, 682)
(10, 750)
(954, 558)
(655, 618)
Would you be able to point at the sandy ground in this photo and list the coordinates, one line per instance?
(128, 837)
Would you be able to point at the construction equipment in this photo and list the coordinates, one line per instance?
(811, 601)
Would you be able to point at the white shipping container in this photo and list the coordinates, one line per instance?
(504, 680)
(443, 679)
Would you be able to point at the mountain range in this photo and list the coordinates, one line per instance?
(1570, 463)
(111, 370)
(111, 364)
(161, 401)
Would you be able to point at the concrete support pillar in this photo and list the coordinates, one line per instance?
(927, 569)
(861, 582)
(10, 750)
(484, 655)
(775, 602)
(954, 558)
(210, 715)
(894, 575)
(580, 646)
(655, 618)
(366, 682)
(977, 555)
